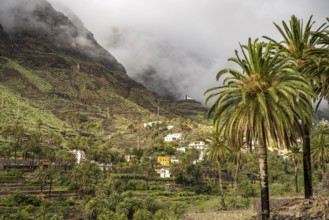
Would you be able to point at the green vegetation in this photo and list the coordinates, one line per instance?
(55, 104)
(15, 108)
(268, 101)
(40, 83)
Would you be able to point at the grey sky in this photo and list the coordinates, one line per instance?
(185, 42)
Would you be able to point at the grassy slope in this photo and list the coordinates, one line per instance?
(33, 95)
(16, 108)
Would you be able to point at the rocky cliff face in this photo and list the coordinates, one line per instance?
(35, 25)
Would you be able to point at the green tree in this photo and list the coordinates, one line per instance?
(263, 101)
(238, 157)
(147, 164)
(143, 214)
(41, 177)
(319, 64)
(299, 43)
(295, 154)
(15, 134)
(32, 147)
(218, 151)
(65, 159)
(320, 146)
(186, 171)
(81, 176)
(51, 173)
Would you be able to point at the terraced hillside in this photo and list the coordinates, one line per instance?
(17, 194)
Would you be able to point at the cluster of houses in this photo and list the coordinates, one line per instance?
(165, 161)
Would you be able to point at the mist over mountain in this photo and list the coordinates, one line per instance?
(38, 16)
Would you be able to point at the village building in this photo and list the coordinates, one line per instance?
(174, 160)
(282, 151)
(80, 155)
(164, 160)
(181, 149)
(173, 137)
(163, 171)
(200, 146)
(169, 127)
(151, 123)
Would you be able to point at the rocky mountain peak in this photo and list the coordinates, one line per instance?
(40, 21)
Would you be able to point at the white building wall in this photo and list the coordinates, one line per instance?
(164, 173)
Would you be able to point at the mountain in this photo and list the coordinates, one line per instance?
(53, 70)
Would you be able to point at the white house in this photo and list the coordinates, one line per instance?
(80, 155)
(201, 155)
(164, 173)
(173, 137)
(174, 160)
(181, 149)
(103, 166)
(152, 123)
(199, 145)
(169, 127)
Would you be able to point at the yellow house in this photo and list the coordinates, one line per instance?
(164, 160)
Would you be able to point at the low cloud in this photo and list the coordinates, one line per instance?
(39, 17)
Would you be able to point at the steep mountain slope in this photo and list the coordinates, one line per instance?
(57, 70)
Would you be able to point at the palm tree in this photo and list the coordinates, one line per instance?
(50, 173)
(238, 157)
(41, 176)
(300, 43)
(318, 63)
(295, 154)
(147, 164)
(218, 151)
(320, 146)
(81, 176)
(263, 101)
(65, 159)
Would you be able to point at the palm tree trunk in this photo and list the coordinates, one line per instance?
(323, 168)
(50, 186)
(221, 189)
(308, 191)
(263, 171)
(236, 182)
(15, 154)
(296, 175)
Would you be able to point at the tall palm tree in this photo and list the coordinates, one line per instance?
(299, 43)
(320, 146)
(263, 101)
(218, 151)
(295, 154)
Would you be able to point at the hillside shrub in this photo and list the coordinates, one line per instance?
(23, 199)
(136, 185)
(241, 202)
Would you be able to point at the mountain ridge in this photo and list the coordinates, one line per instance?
(60, 68)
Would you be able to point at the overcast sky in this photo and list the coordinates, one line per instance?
(181, 44)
